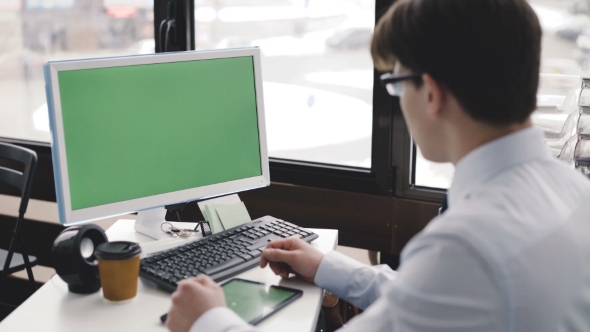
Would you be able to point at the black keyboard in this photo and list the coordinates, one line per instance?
(221, 255)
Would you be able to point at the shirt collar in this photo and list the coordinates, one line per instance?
(481, 164)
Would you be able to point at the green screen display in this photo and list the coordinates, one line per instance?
(143, 130)
(251, 300)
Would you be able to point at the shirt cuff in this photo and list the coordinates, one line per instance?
(218, 319)
(334, 272)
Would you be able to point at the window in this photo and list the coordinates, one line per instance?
(325, 121)
(327, 127)
(33, 32)
(317, 71)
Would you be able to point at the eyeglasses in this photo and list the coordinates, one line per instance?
(394, 83)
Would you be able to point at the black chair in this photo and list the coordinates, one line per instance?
(12, 261)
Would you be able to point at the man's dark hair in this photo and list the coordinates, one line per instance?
(486, 52)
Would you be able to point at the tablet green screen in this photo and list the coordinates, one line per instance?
(251, 300)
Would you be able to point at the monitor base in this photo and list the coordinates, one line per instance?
(149, 223)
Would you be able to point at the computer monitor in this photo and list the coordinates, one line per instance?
(137, 133)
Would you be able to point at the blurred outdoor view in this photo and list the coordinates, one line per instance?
(33, 32)
(566, 45)
(317, 70)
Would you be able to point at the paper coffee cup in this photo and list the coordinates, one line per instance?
(118, 265)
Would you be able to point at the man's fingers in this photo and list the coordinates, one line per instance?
(185, 286)
(169, 319)
(289, 243)
(279, 268)
(276, 269)
(282, 250)
(277, 244)
(284, 244)
(205, 280)
(263, 261)
(278, 255)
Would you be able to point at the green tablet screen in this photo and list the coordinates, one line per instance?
(255, 301)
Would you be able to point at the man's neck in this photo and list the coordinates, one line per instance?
(471, 137)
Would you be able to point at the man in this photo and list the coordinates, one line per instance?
(512, 252)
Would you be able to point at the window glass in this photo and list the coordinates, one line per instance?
(317, 71)
(33, 32)
(433, 175)
(565, 47)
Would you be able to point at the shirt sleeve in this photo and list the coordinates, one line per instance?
(355, 282)
(443, 285)
(221, 319)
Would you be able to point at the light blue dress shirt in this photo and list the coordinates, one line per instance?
(512, 253)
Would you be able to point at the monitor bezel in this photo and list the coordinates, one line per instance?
(67, 216)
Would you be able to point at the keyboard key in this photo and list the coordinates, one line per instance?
(249, 242)
(254, 253)
(223, 266)
(164, 275)
(256, 246)
(246, 257)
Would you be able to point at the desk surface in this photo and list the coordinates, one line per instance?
(53, 308)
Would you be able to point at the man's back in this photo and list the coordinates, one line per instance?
(525, 218)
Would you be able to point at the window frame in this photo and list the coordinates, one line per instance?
(391, 146)
(404, 160)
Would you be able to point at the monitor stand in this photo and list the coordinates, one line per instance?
(148, 223)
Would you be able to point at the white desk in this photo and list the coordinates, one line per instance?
(53, 308)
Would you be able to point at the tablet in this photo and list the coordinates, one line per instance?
(254, 301)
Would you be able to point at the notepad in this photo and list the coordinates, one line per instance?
(230, 199)
(224, 212)
(213, 218)
(232, 215)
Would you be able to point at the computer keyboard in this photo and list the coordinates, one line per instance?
(221, 255)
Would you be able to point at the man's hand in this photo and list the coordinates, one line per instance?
(192, 298)
(292, 255)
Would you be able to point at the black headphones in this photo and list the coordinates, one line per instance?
(74, 259)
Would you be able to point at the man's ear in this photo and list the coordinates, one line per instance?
(435, 96)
